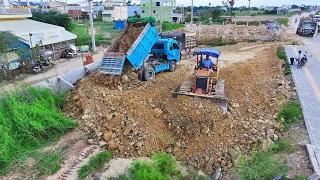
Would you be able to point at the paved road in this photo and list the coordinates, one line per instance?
(307, 81)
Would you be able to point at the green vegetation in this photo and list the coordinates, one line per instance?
(289, 114)
(94, 163)
(260, 165)
(53, 17)
(284, 21)
(301, 178)
(162, 166)
(48, 162)
(83, 37)
(171, 26)
(30, 119)
(282, 55)
(282, 146)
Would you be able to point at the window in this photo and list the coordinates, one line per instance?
(143, 4)
(154, 11)
(157, 3)
(175, 46)
(142, 11)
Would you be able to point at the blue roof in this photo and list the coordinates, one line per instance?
(207, 51)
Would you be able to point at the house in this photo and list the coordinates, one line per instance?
(176, 18)
(115, 13)
(33, 33)
(75, 11)
(55, 5)
(295, 10)
(167, 7)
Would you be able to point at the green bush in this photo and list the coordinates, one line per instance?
(282, 146)
(260, 165)
(290, 113)
(29, 119)
(163, 166)
(282, 55)
(94, 163)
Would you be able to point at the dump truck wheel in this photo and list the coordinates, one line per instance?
(172, 66)
(149, 74)
(140, 75)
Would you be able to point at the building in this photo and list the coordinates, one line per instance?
(55, 5)
(167, 7)
(176, 17)
(75, 11)
(33, 33)
(115, 13)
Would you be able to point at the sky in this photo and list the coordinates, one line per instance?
(254, 3)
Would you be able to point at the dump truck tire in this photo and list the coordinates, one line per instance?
(172, 66)
(140, 75)
(149, 74)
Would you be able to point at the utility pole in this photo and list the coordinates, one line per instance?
(151, 8)
(191, 22)
(249, 6)
(91, 28)
(161, 4)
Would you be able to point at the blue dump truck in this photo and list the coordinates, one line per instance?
(140, 44)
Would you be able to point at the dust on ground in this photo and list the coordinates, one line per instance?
(143, 119)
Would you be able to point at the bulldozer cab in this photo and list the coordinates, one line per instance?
(205, 77)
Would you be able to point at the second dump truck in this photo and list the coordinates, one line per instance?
(140, 44)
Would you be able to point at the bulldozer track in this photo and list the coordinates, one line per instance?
(69, 170)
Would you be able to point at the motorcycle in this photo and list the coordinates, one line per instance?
(36, 67)
(46, 58)
(303, 61)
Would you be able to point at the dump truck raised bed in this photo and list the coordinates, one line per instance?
(139, 44)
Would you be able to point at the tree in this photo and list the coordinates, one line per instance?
(53, 17)
(294, 6)
(216, 13)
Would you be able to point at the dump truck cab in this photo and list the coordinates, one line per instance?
(168, 48)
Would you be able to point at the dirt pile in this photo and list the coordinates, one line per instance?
(142, 118)
(230, 33)
(129, 38)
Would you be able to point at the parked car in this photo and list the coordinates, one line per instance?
(306, 27)
(70, 52)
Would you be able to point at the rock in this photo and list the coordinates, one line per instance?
(235, 105)
(76, 97)
(303, 142)
(120, 88)
(97, 176)
(99, 134)
(107, 135)
(86, 117)
(158, 112)
(254, 131)
(270, 133)
(217, 173)
(88, 124)
(198, 112)
(275, 116)
(266, 144)
(113, 146)
(275, 137)
(90, 141)
(294, 96)
(109, 117)
(128, 129)
(102, 143)
(278, 126)
(200, 106)
(125, 78)
(153, 105)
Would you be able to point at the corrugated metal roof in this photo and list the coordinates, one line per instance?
(42, 33)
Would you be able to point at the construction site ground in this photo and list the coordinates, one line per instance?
(137, 119)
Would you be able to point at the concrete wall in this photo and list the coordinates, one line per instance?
(166, 10)
(65, 81)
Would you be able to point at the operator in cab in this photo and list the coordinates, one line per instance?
(207, 63)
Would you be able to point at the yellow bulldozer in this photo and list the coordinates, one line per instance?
(204, 81)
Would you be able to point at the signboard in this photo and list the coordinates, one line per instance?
(51, 35)
(24, 7)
